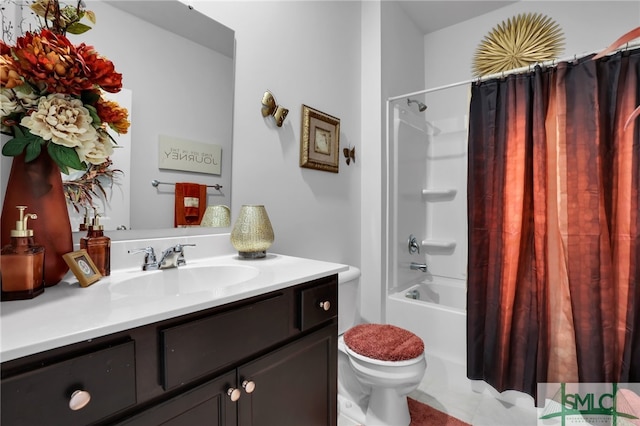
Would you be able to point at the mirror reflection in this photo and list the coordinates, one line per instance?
(177, 72)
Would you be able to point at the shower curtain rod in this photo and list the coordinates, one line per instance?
(505, 73)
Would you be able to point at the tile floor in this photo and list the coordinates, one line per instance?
(446, 388)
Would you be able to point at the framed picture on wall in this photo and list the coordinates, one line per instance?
(82, 267)
(320, 140)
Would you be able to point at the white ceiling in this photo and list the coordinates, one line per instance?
(431, 15)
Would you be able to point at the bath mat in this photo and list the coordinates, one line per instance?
(424, 415)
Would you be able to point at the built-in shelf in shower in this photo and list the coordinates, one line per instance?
(439, 244)
(439, 194)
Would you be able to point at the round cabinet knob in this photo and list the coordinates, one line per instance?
(248, 386)
(79, 399)
(234, 394)
(325, 306)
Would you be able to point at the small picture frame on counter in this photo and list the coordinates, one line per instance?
(82, 267)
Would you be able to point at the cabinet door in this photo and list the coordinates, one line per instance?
(295, 385)
(207, 404)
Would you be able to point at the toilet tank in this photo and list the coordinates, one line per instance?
(348, 299)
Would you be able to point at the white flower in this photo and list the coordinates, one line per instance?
(28, 100)
(62, 120)
(84, 150)
(8, 102)
(101, 150)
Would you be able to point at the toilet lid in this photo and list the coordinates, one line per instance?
(384, 342)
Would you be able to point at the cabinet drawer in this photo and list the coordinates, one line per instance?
(42, 396)
(318, 304)
(206, 345)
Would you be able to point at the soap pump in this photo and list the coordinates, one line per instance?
(84, 226)
(22, 262)
(98, 246)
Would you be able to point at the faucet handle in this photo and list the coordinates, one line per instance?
(178, 248)
(150, 261)
(413, 245)
(147, 250)
(181, 261)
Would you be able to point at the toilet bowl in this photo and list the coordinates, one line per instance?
(378, 364)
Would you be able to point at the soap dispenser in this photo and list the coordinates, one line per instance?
(98, 246)
(84, 226)
(22, 262)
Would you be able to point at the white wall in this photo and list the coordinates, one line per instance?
(588, 26)
(304, 53)
(342, 57)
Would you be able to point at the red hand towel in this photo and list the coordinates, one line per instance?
(190, 203)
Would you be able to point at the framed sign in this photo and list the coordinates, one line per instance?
(185, 155)
(82, 267)
(320, 140)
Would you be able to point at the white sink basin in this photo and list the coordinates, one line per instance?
(182, 280)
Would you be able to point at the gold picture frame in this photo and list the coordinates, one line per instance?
(82, 267)
(320, 140)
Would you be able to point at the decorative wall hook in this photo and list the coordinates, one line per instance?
(271, 108)
(349, 155)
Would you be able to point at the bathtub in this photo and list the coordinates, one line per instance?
(435, 311)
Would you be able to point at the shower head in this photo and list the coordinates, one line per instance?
(421, 106)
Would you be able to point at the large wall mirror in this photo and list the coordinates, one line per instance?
(178, 83)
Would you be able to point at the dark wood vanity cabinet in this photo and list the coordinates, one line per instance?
(265, 361)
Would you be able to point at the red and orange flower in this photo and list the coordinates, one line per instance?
(53, 92)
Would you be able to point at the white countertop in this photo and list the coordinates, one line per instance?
(67, 313)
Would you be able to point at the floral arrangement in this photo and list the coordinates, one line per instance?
(52, 97)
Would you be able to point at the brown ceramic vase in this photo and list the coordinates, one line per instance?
(38, 185)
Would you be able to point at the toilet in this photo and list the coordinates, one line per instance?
(378, 364)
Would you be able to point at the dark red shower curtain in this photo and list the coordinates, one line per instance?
(554, 228)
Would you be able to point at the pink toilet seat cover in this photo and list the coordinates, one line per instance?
(384, 342)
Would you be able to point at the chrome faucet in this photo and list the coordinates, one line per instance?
(418, 266)
(173, 256)
(150, 262)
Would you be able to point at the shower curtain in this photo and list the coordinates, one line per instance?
(554, 229)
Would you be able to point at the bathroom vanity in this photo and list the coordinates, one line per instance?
(148, 350)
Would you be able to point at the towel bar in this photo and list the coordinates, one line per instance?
(156, 182)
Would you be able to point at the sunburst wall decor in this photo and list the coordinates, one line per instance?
(522, 40)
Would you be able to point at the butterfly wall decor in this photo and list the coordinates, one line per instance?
(349, 155)
(271, 108)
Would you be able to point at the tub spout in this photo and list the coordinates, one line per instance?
(419, 266)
